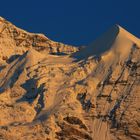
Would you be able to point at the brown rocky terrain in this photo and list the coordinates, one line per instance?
(53, 91)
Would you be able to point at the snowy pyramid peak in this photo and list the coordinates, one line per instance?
(115, 35)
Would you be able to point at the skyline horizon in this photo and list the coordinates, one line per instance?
(72, 22)
(97, 37)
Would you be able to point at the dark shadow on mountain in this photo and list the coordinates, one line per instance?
(41, 98)
(13, 78)
(2, 67)
(31, 94)
(31, 91)
(12, 58)
(11, 81)
(59, 53)
(99, 46)
(44, 115)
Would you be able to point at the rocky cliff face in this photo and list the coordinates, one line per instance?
(88, 94)
(17, 41)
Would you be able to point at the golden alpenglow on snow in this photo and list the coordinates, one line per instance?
(53, 91)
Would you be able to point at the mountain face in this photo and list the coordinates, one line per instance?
(53, 91)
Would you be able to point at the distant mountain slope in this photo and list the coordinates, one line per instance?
(87, 94)
(17, 41)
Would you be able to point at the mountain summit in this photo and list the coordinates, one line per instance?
(53, 91)
(114, 38)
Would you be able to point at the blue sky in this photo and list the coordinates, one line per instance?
(76, 22)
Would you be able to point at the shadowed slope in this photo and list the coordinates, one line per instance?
(107, 41)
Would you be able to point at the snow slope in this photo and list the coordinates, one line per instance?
(50, 91)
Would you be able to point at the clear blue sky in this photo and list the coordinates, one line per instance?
(76, 22)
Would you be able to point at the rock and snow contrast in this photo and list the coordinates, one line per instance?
(53, 91)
